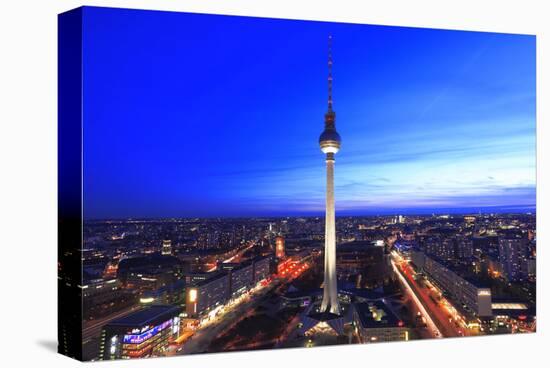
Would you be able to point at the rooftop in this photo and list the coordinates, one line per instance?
(146, 316)
(358, 246)
(215, 276)
(462, 272)
(376, 314)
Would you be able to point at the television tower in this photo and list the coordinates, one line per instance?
(330, 144)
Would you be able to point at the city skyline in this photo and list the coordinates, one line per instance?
(187, 126)
(197, 199)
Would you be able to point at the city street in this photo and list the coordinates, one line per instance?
(231, 315)
(437, 315)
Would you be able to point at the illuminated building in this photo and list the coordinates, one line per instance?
(215, 288)
(149, 272)
(262, 268)
(145, 333)
(193, 278)
(110, 270)
(207, 294)
(375, 322)
(102, 297)
(464, 247)
(362, 261)
(166, 247)
(100, 286)
(512, 257)
(280, 247)
(241, 278)
(513, 317)
(329, 142)
(440, 246)
(461, 290)
(173, 293)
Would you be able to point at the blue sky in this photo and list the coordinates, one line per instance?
(200, 115)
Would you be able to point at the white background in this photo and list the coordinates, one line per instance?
(28, 181)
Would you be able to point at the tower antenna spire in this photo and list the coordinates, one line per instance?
(329, 72)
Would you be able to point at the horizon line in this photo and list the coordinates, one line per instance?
(316, 216)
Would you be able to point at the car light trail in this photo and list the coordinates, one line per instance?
(423, 310)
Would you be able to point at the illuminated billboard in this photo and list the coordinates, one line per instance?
(138, 339)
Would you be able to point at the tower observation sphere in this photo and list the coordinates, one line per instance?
(330, 140)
